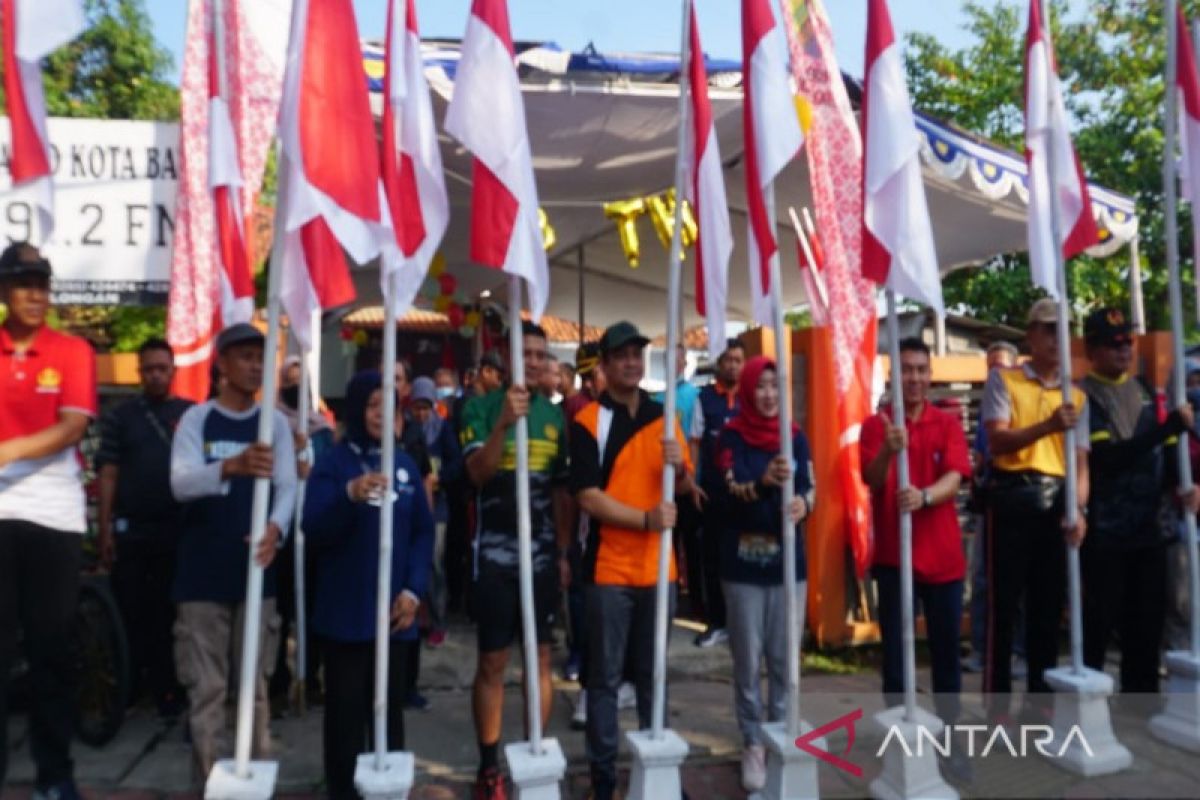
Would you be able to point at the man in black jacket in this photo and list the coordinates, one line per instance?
(1124, 559)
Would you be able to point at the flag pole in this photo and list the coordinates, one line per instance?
(787, 491)
(1071, 513)
(662, 598)
(899, 417)
(533, 697)
(383, 589)
(303, 400)
(1175, 294)
(252, 611)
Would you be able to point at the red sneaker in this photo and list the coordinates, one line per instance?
(490, 785)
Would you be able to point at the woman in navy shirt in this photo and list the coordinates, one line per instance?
(751, 565)
(341, 521)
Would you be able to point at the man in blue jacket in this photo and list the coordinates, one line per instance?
(215, 459)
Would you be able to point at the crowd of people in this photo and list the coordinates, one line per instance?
(176, 490)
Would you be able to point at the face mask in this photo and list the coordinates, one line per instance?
(444, 392)
(290, 395)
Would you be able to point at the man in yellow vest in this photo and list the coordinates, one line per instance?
(1026, 420)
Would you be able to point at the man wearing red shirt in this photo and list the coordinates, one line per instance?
(47, 398)
(938, 463)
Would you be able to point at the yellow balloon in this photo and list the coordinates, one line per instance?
(625, 213)
(360, 337)
(442, 302)
(438, 265)
(549, 237)
(473, 319)
(691, 231)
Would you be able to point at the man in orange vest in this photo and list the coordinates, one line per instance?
(619, 448)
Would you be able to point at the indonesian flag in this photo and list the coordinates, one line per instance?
(1046, 127)
(897, 235)
(32, 30)
(224, 136)
(334, 195)
(487, 114)
(706, 191)
(412, 162)
(1187, 81)
(773, 138)
(224, 180)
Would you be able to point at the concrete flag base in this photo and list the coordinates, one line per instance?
(536, 776)
(224, 783)
(791, 772)
(656, 762)
(1179, 722)
(393, 782)
(910, 776)
(1083, 736)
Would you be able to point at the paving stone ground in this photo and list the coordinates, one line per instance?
(149, 759)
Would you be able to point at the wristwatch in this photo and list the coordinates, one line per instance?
(926, 500)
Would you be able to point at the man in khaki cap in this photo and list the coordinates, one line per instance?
(1026, 420)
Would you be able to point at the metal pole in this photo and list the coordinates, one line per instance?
(383, 590)
(302, 411)
(783, 373)
(900, 417)
(533, 697)
(662, 598)
(262, 495)
(579, 259)
(1136, 301)
(1175, 293)
(1064, 373)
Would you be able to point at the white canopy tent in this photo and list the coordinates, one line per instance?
(602, 128)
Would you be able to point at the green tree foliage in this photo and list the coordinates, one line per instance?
(1111, 57)
(113, 70)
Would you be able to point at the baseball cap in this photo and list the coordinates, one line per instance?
(240, 333)
(1107, 325)
(587, 356)
(22, 258)
(1044, 312)
(620, 334)
(423, 389)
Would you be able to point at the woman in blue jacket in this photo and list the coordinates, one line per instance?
(751, 566)
(341, 521)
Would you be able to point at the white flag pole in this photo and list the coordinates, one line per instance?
(787, 490)
(533, 697)
(899, 417)
(662, 600)
(1070, 493)
(387, 460)
(1175, 294)
(303, 401)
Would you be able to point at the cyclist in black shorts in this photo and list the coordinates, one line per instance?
(488, 437)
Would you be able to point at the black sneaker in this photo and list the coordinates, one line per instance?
(416, 701)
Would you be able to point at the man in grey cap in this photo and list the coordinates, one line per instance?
(215, 460)
(1026, 421)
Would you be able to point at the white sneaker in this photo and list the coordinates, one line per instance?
(626, 696)
(579, 718)
(754, 768)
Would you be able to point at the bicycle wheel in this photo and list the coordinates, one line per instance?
(103, 664)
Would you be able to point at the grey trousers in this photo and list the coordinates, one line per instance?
(756, 619)
(618, 617)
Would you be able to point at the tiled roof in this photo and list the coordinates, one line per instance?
(693, 339)
(422, 321)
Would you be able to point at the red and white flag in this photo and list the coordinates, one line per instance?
(1187, 82)
(33, 29)
(334, 197)
(487, 114)
(897, 236)
(772, 137)
(411, 160)
(1046, 128)
(706, 192)
(224, 137)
